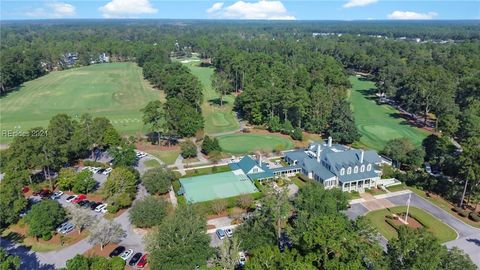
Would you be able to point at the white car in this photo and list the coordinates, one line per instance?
(229, 232)
(94, 169)
(126, 254)
(242, 258)
(107, 171)
(71, 198)
(101, 207)
(62, 226)
(67, 228)
(56, 195)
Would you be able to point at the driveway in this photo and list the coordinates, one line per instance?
(468, 237)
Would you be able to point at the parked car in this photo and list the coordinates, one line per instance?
(56, 195)
(286, 240)
(100, 171)
(135, 258)
(71, 198)
(94, 205)
(117, 251)
(220, 233)
(242, 258)
(68, 228)
(62, 226)
(126, 254)
(45, 193)
(229, 232)
(143, 261)
(100, 207)
(79, 198)
(84, 203)
(107, 171)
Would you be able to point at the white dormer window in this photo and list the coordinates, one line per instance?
(342, 171)
(255, 170)
(369, 167)
(355, 170)
(349, 170)
(362, 169)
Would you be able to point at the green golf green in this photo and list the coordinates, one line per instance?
(248, 143)
(378, 123)
(439, 229)
(114, 90)
(218, 118)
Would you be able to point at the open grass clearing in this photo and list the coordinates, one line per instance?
(113, 90)
(439, 229)
(378, 124)
(152, 163)
(207, 170)
(249, 143)
(167, 156)
(217, 118)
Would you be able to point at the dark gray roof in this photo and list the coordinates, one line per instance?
(339, 156)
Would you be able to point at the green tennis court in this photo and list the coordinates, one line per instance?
(216, 186)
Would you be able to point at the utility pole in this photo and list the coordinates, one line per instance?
(464, 191)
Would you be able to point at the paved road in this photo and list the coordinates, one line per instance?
(468, 237)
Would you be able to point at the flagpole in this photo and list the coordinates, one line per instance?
(408, 207)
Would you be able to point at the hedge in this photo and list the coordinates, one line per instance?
(473, 216)
(94, 164)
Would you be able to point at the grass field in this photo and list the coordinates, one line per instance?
(217, 119)
(114, 90)
(167, 156)
(378, 123)
(439, 229)
(247, 143)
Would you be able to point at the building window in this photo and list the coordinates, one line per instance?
(369, 167)
(342, 171)
(355, 170)
(255, 170)
(362, 169)
(349, 170)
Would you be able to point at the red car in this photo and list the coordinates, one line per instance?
(79, 198)
(142, 262)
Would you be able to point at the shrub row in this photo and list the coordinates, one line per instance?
(93, 163)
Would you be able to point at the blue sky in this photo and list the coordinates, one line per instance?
(265, 9)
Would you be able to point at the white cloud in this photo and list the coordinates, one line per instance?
(52, 10)
(127, 8)
(261, 10)
(410, 15)
(215, 7)
(358, 3)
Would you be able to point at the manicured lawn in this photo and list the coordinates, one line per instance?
(439, 229)
(378, 123)
(167, 156)
(113, 90)
(217, 118)
(297, 181)
(152, 163)
(248, 143)
(397, 187)
(208, 170)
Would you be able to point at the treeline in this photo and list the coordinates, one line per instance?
(295, 86)
(181, 114)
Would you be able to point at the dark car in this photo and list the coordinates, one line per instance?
(45, 193)
(117, 251)
(84, 203)
(135, 258)
(286, 240)
(281, 246)
(94, 205)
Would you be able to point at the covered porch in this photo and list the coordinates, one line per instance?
(358, 185)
